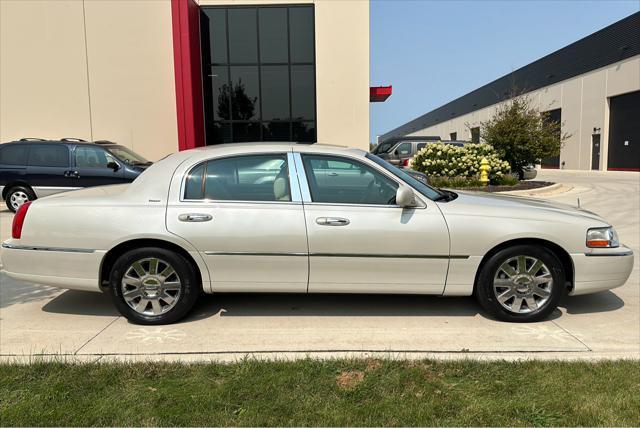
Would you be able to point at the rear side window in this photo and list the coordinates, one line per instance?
(240, 178)
(404, 149)
(49, 155)
(14, 154)
(422, 146)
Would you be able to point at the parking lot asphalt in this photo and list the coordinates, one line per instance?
(43, 322)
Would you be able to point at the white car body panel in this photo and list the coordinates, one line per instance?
(436, 248)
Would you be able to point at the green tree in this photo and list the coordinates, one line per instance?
(522, 134)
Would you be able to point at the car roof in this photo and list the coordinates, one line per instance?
(63, 141)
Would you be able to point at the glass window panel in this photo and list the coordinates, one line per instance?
(244, 93)
(246, 132)
(301, 34)
(275, 92)
(218, 133)
(213, 29)
(304, 132)
(248, 178)
(303, 103)
(91, 157)
(276, 131)
(219, 78)
(194, 186)
(49, 155)
(14, 154)
(273, 34)
(243, 39)
(404, 149)
(346, 181)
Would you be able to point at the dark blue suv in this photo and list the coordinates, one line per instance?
(33, 168)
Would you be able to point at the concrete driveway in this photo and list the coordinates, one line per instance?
(39, 320)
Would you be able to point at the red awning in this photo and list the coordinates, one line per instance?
(378, 94)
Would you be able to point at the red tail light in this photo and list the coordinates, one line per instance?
(18, 220)
(406, 162)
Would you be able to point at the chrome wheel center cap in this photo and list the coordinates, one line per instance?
(151, 287)
(523, 283)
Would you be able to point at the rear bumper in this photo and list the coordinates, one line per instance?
(601, 271)
(72, 268)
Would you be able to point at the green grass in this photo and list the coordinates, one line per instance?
(313, 392)
(470, 182)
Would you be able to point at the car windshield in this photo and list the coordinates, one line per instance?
(384, 147)
(127, 155)
(426, 190)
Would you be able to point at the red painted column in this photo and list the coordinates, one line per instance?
(185, 18)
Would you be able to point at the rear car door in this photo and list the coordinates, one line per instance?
(361, 241)
(244, 215)
(49, 169)
(94, 166)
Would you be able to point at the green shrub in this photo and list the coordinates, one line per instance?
(447, 160)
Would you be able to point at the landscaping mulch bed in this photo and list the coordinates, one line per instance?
(522, 185)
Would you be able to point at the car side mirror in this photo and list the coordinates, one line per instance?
(405, 197)
(113, 165)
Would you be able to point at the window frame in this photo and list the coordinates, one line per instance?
(304, 181)
(294, 186)
(206, 69)
(108, 154)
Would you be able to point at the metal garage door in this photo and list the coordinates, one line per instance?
(624, 132)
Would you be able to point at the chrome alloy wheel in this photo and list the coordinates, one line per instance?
(151, 286)
(523, 284)
(18, 198)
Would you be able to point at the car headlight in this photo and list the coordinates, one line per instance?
(602, 237)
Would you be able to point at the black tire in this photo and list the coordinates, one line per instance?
(488, 299)
(24, 190)
(189, 286)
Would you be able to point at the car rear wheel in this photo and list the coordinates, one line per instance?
(153, 286)
(522, 283)
(18, 195)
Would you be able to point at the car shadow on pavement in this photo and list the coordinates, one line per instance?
(329, 305)
(88, 303)
(605, 301)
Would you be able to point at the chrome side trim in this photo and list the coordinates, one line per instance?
(247, 253)
(353, 255)
(388, 256)
(619, 254)
(39, 248)
(294, 185)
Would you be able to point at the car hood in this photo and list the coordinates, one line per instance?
(519, 206)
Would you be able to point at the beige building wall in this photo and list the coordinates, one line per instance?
(98, 69)
(584, 101)
(342, 67)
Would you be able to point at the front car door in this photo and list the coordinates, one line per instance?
(360, 240)
(93, 167)
(244, 214)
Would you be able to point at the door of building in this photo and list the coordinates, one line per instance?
(624, 132)
(595, 151)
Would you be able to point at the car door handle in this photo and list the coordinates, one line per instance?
(195, 217)
(72, 174)
(332, 174)
(332, 221)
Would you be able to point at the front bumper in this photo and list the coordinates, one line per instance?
(601, 270)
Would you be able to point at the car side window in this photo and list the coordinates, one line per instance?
(262, 178)
(92, 157)
(404, 149)
(421, 146)
(14, 154)
(49, 155)
(347, 181)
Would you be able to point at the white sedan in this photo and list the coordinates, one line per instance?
(300, 218)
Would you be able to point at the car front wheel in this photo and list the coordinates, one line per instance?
(522, 283)
(153, 286)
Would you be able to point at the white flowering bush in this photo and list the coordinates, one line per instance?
(447, 160)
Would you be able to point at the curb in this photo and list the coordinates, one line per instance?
(554, 189)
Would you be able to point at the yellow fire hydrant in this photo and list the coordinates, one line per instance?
(484, 171)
